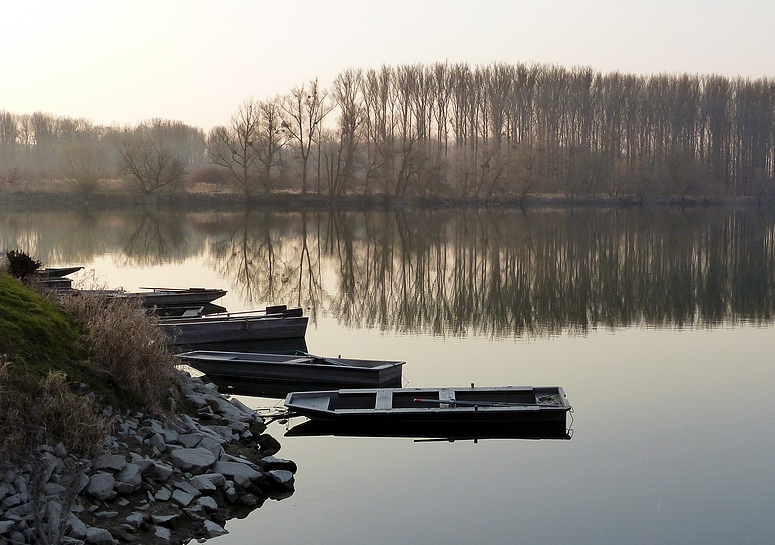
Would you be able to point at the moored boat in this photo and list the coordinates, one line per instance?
(57, 272)
(299, 369)
(504, 404)
(233, 327)
(177, 296)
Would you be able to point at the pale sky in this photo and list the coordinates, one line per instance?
(196, 61)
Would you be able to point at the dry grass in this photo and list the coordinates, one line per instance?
(45, 412)
(68, 417)
(126, 342)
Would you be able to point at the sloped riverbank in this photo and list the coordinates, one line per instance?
(157, 479)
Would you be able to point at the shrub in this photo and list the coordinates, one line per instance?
(126, 342)
(20, 264)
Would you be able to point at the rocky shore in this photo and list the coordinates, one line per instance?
(158, 480)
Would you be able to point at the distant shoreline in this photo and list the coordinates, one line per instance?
(46, 200)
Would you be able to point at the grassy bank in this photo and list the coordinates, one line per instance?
(62, 361)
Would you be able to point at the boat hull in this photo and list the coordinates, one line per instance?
(304, 371)
(190, 296)
(415, 406)
(234, 329)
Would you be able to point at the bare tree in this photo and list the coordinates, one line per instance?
(234, 146)
(82, 164)
(271, 138)
(304, 111)
(148, 161)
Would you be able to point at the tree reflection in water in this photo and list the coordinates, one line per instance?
(492, 272)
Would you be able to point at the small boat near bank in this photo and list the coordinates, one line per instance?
(58, 272)
(299, 370)
(160, 297)
(277, 322)
(414, 406)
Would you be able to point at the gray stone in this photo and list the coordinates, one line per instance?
(230, 469)
(98, 536)
(281, 476)
(182, 498)
(131, 476)
(194, 460)
(213, 445)
(272, 462)
(106, 514)
(135, 520)
(157, 441)
(244, 409)
(185, 486)
(197, 399)
(222, 434)
(239, 459)
(145, 465)
(189, 424)
(242, 481)
(231, 493)
(101, 486)
(163, 494)
(190, 440)
(161, 471)
(207, 503)
(163, 533)
(239, 427)
(116, 462)
(13, 501)
(164, 519)
(215, 478)
(170, 436)
(213, 529)
(54, 489)
(248, 499)
(203, 484)
(6, 526)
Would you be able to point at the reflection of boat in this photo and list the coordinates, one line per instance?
(177, 296)
(278, 370)
(227, 327)
(496, 405)
(435, 430)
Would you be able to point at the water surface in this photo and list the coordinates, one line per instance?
(658, 325)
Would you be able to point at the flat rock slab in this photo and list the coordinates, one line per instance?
(195, 460)
(230, 469)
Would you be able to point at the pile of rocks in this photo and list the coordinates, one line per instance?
(159, 480)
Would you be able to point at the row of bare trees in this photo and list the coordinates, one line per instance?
(446, 131)
(504, 130)
(154, 155)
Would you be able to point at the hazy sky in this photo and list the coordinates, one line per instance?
(196, 61)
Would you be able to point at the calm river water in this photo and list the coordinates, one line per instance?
(658, 325)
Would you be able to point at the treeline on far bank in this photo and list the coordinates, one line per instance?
(437, 131)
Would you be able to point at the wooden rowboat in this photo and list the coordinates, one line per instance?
(504, 404)
(57, 272)
(234, 327)
(177, 296)
(300, 369)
